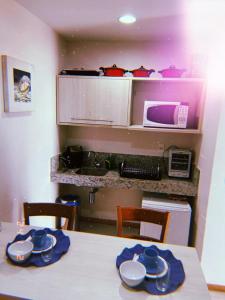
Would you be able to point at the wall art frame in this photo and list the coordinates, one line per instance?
(17, 85)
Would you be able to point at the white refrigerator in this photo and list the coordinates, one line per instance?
(180, 218)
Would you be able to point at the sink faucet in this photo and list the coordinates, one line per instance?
(96, 161)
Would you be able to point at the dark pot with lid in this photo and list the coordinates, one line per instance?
(113, 71)
(172, 72)
(142, 72)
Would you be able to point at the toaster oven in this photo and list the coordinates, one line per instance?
(179, 163)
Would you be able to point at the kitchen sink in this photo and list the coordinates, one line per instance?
(92, 171)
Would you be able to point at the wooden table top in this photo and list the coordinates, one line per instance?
(88, 271)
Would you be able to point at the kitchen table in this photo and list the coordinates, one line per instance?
(88, 271)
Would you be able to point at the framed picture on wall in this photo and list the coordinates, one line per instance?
(17, 85)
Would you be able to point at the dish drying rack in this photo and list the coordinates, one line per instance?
(152, 172)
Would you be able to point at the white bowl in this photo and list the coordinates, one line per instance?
(132, 272)
(20, 251)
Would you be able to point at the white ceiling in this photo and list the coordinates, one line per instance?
(98, 19)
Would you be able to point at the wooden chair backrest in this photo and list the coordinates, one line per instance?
(142, 215)
(50, 209)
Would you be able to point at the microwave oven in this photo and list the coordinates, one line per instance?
(168, 114)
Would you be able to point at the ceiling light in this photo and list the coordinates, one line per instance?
(127, 19)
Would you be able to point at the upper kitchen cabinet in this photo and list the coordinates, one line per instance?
(93, 100)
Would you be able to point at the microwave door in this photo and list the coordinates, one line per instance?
(162, 115)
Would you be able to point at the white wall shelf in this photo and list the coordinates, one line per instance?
(164, 130)
(118, 102)
(183, 79)
(175, 79)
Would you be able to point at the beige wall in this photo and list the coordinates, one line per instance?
(127, 55)
(213, 247)
(210, 211)
(28, 140)
(206, 160)
(127, 141)
(204, 17)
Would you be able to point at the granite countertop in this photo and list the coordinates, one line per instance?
(112, 179)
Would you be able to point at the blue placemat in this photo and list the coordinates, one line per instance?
(61, 247)
(177, 275)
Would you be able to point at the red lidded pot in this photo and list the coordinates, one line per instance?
(113, 71)
(172, 72)
(142, 72)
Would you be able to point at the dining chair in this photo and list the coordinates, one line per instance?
(9, 297)
(125, 214)
(50, 209)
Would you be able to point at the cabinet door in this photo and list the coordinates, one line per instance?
(93, 101)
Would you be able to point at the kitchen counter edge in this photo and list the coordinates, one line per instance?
(113, 180)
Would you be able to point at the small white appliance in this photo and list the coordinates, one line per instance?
(168, 114)
(179, 162)
(180, 218)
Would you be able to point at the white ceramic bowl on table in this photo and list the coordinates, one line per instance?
(132, 272)
(20, 251)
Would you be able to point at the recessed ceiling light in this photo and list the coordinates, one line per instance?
(127, 19)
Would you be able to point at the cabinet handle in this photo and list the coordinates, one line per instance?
(91, 120)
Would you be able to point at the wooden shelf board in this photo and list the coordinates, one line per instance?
(168, 79)
(166, 130)
(137, 128)
(182, 79)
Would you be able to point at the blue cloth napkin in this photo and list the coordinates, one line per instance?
(61, 247)
(177, 274)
